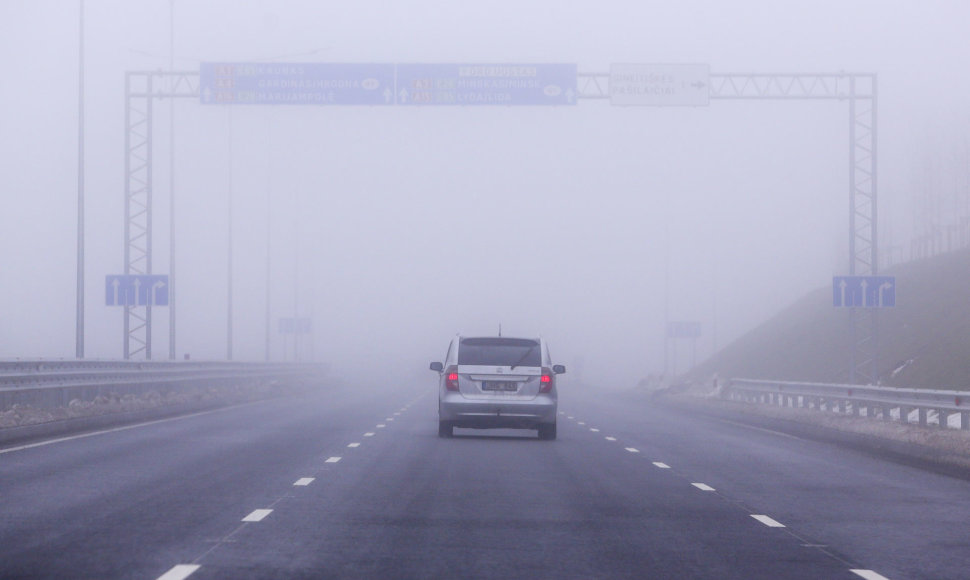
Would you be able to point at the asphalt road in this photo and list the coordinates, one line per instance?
(355, 483)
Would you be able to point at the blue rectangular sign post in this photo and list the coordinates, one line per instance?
(486, 84)
(242, 83)
(136, 290)
(864, 291)
(683, 329)
(238, 83)
(295, 325)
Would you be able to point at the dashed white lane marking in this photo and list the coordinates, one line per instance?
(397, 414)
(869, 574)
(768, 521)
(381, 426)
(354, 445)
(369, 434)
(570, 418)
(633, 450)
(611, 438)
(180, 572)
(304, 481)
(257, 515)
(594, 430)
(661, 465)
(332, 460)
(389, 419)
(582, 423)
(703, 486)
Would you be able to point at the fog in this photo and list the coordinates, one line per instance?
(394, 228)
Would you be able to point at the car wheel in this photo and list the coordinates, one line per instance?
(547, 432)
(445, 429)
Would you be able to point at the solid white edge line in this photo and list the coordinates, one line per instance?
(869, 574)
(632, 449)
(768, 521)
(332, 460)
(354, 445)
(703, 486)
(112, 430)
(304, 481)
(257, 515)
(661, 465)
(179, 572)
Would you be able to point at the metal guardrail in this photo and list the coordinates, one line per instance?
(49, 384)
(887, 403)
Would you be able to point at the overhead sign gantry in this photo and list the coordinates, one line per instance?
(450, 84)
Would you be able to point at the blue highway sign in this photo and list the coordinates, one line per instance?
(295, 325)
(864, 291)
(486, 84)
(136, 290)
(296, 84)
(683, 329)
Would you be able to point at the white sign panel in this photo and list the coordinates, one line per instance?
(660, 85)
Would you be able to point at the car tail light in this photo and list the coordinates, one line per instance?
(547, 381)
(451, 380)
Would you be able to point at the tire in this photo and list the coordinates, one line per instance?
(445, 429)
(547, 432)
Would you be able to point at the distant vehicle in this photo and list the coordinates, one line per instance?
(497, 382)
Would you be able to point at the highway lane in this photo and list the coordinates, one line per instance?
(356, 484)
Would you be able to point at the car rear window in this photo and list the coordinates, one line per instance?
(498, 351)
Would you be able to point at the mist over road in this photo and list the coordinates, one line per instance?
(360, 486)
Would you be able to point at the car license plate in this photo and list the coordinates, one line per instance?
(504, 386)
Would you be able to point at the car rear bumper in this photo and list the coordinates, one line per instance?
(506, 413)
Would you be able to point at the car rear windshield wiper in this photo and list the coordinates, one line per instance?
(524, 356)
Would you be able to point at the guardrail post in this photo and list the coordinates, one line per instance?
(965, 420)
(944, 418)
(922, 417)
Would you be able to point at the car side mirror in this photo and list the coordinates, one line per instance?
(437, 366)
(558, 369)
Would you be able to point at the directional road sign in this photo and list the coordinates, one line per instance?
(136, 290)
(486, 84)
(296, 84)
(683, 329)
(295, 325)
(864, 291)
(660, 84)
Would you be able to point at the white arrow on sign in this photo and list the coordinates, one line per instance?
(388, 94)
(155, 288)
(137, 284)
(842, 286)
(115, 283)
(882, 288)
(404, 95)
(865, 294)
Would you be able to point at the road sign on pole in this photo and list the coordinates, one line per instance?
(295, 325)
(660, 84)
(296, 84)
(136, 290)
(683, 329)
(864, 291)
(486, 84)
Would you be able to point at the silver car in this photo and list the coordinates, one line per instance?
(497, 382)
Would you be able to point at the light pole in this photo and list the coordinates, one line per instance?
(79, 321)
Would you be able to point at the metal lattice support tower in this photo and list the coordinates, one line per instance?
(140, 93)
(860, 91)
